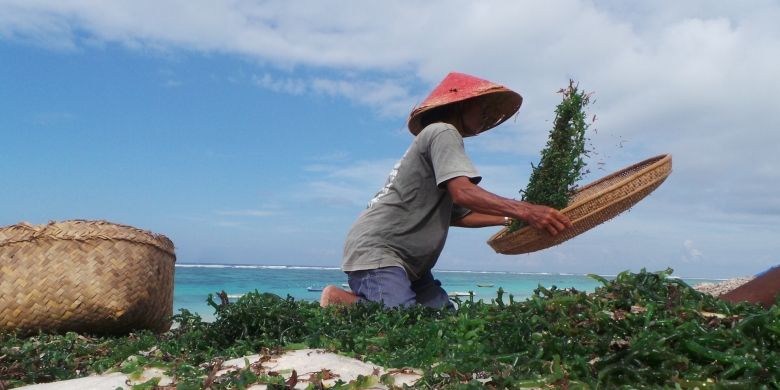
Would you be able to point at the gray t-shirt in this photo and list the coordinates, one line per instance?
(406, 223)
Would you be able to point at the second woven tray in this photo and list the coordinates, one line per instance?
(591, 206)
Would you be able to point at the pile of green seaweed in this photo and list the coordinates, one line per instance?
(639, 330)
(562, 163)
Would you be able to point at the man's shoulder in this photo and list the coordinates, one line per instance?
(434, 129)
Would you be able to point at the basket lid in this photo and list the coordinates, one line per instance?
(83, 230)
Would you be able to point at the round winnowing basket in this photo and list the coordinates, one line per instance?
(85, 276)
(591, 206)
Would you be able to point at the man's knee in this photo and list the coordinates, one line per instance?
(333, 295)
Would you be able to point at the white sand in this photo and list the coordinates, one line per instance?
(304, 362)
(718, 289)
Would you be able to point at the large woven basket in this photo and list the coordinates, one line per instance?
(591, 206)
(84, 276)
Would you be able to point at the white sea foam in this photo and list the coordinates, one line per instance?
(312, 267)
(530, 273)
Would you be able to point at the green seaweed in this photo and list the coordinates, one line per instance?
(638, 330)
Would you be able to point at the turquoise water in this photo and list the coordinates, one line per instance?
(193, 282)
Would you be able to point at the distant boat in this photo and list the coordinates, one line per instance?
(312, 288)
(345, 285)
(485, 285)
(459, 294)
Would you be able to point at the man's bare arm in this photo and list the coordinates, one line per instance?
(469, 195)
(478, 220)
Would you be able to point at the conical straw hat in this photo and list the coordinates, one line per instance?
(500, 102)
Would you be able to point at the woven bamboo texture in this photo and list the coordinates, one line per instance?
(591, 206)
(85, 276)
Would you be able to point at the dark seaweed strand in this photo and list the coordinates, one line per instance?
(562, 160)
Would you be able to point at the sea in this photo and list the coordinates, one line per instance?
(193, 283)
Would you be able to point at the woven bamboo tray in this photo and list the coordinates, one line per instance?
(591, 206)
(84, 276)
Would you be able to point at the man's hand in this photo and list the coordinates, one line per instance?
(546, 218)
(469, 195)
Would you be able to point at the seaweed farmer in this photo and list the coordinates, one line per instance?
(392, 247)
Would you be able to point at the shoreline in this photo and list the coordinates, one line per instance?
(718, 289)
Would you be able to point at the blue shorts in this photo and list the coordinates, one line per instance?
(392, 287)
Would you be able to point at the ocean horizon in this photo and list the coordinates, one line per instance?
(322, 267)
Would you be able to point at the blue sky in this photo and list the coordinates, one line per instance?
(254, 132)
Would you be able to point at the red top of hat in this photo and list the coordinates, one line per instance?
(501, 102)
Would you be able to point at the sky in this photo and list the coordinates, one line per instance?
(256, 131)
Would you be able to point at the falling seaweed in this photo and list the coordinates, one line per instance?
(562, 161)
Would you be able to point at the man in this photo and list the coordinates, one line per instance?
(396, 241)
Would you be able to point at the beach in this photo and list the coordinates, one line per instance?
(723, 287)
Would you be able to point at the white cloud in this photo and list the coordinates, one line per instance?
(291, 86)
(349, 184)
(691, 253)
(246, 213)
(386, 97)
(336, 194)
(360, 171)
(697, 79)
(53, 118)
(172, 83)
(228, 224)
